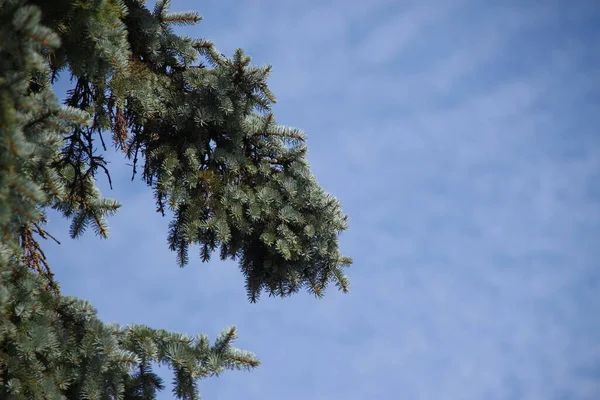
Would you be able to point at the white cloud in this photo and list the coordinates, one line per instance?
(389, 37)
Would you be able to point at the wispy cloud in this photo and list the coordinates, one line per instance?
(390, 36)
(462, 138)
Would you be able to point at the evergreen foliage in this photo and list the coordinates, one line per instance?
(199, 125)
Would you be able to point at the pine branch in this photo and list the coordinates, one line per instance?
(182, 18)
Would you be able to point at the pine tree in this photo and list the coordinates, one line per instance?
(199, 127)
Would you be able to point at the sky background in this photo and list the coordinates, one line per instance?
(462, 138)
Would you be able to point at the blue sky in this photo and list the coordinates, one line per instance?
(462, 138)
